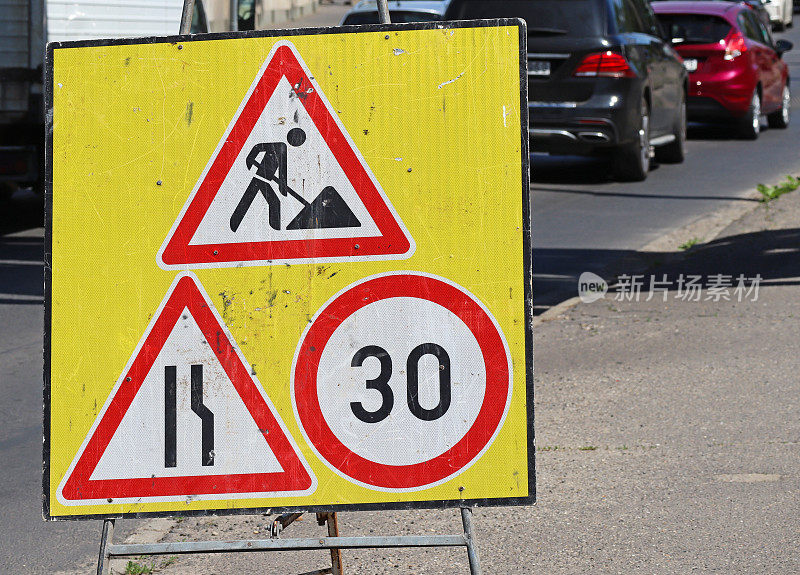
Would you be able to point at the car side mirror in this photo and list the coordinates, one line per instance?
(782, 46)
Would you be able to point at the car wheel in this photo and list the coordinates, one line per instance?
(781, 118)
(632, 161)
(750, 124)
(675, 151)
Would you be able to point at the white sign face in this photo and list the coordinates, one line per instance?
(189, 386)
(404, 403)
(186, 417)
(387, 428)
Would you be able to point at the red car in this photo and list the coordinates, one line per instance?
(735, 68)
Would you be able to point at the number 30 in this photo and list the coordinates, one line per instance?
(381, 383)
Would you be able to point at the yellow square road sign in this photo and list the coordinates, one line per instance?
(289, 272)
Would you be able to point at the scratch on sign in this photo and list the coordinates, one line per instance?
(453, 80)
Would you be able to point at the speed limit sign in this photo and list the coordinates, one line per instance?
(394, 402)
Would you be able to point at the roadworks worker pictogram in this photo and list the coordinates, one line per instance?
(328, 210)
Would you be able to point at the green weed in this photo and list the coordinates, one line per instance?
(690, 244)
(134, 568)
(769, 193)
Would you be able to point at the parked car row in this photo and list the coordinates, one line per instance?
(620, 78)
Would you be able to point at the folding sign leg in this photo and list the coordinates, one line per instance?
(104, 560)
(333, 531)
(186, 17)
(472, 550)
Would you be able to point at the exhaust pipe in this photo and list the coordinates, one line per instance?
(594, 137)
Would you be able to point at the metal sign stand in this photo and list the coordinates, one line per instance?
(332, 542)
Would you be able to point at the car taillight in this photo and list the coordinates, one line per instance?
(734, 45)
(605, 64)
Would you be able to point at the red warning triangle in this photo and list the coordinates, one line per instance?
(286, 184)
(186, 420)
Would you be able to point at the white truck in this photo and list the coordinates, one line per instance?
(25, 28)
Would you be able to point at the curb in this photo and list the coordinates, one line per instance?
(555, 311)
(708, 227)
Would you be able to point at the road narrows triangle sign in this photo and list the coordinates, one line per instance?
(186, 419)
(286, 184)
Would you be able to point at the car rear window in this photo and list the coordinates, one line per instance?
(694, 28)
(396, 16)
(544, 17)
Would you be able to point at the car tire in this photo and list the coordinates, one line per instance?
(675, 151)
(780, 118)
(632, 161)
(750, 123)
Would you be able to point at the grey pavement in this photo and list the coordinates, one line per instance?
(668, 438)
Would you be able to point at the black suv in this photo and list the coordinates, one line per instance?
(602, 79)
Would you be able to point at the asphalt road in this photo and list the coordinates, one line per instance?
(582, 221)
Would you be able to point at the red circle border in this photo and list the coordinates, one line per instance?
(480, 434)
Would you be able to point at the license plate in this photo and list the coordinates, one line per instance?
(538, 68)
(690, 64)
